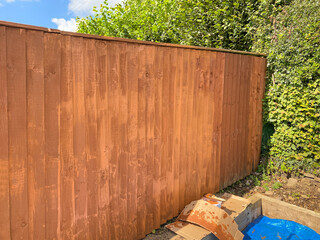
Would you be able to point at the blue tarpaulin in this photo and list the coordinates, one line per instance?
(264, 228)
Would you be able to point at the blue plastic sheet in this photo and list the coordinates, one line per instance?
(264, 228)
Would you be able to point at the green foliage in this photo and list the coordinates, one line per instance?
(276, 185)
(135, 19)
(292, 43)
(218, 23)
(266, 187)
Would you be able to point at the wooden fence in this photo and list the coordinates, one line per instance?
(107, 138)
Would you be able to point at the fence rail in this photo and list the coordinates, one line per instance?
(105, 138)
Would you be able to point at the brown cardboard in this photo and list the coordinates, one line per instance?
(205, 218)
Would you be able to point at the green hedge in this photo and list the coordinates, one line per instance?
(292, 103)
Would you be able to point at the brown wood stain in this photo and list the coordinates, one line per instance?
(106, 138)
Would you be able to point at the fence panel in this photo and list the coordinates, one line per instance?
(109, 138)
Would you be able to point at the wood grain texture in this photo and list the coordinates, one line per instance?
(103, 154)
(108, 139)
(36, 137)
(17, 127)
(218, 66)
(4, 144)
(67, 200)
(92, 164)
(52, 56)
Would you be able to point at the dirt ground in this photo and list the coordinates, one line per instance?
(303, 191)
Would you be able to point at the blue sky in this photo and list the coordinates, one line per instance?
(59, 14)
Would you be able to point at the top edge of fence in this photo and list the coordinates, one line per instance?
(50, 30)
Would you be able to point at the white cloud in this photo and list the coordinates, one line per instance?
(84, 7)
(10, 1)
(65, 25)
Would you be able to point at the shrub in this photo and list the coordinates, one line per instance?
(292, 102)
(218, 23)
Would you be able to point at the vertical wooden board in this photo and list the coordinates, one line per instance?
(170, 118)
(225, 163)
(67, 199)
(217, 63)
(141, 173)
(165, 205)
(132, 81)
(102, 151)
(260, 94)
(150, 118)
(36, 156)
(17, 122)
(123, 142)
(177, 131)
(4, 154)
(90, 88)
(231, 167)
(252, 115)
(158, 201)
(206, 128)
(235, 119)
(80, 172)
(52, 56)
(246, 64)
(190, 125)
(183, 133)
(196, 127)
(113, 134)
(212, 123)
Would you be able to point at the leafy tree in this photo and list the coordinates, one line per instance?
(292, 41)
(217, 23)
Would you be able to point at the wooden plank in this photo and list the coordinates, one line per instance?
(246, 65)
(113, 139)
(158, 63)
(132, 81)
(141, 171)
(4, 153)
(170, 118)
(52, 56)
(79, 137)
(236, 105)
(190, 125)
(17, 127)
(67, 200)
(252, 116)
(150, 82)
(217, 62)
(212, 178)
(225, 163)
(90, 94)
(197, 160)
(123, 142)
(207, 126)
(177, 132)
(102, 106)
(165, 202)
(36, 155)
(183, 133)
